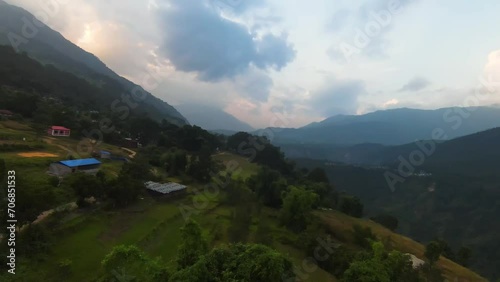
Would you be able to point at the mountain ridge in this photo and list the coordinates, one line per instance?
(212, 118)
(50, 47)
(392, 127)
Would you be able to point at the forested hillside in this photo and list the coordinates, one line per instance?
(51, 48)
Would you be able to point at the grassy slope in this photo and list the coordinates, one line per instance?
(85, 238)
(341, 225)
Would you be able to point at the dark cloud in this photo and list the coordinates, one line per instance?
(273, 52)
(416, 84)
(340, 97)
(198, 39)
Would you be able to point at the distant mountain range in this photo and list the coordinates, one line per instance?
(392, 127)
(50, 47)
(455, 198)
(214, 119)
(476, 153)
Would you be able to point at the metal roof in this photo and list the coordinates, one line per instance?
(164, 188)
(80, 162)
(56, 127)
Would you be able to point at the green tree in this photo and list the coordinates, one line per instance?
(463, 256)
(433, 251)
(318, 175)
(446, 249)
(246, 263)
(382, 266)
(35, 197)
(192, 245)
(297, 205)
(268, 185)
(85, 185)
(138, 169)
(387, 221)
(129, 263)
(351, 206)
(363, 236)
(35, 239)
(366, 271)
(400, 268)
(124, 190)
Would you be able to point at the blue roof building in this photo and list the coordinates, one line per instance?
(61, 168)
(80, 162)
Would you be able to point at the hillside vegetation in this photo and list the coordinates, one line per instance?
(77, 241)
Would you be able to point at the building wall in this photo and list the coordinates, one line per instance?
(62, 170)
(59, 169)
(169, 195)
(64, 133)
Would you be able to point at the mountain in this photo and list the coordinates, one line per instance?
(475, 152)
(211, 118)
(50, 47)
(457, 201)
(393, 127)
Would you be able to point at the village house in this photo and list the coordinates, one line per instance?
(6, 113)
(62, 168)
(59, 131)
(130, 143)
(105, 155)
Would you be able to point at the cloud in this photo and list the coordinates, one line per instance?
(339, 97)
(198, 39)
(416, 84)
(492, 68)
(254, 85)
(364, 31)
(338, 20)
(236, 6)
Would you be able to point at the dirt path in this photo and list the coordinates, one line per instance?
(45, 214)
(132, 153)
(51, 142)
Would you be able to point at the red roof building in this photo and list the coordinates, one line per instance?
(59, 131)
(6, 113)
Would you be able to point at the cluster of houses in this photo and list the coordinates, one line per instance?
(61, 131)
(93, 165)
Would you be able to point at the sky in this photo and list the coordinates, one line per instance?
(286, 63)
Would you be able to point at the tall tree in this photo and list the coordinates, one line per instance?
(245, 263)
(129, 263)
(463, 256)
(192, 245)
(433, 251)
(297, 205)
